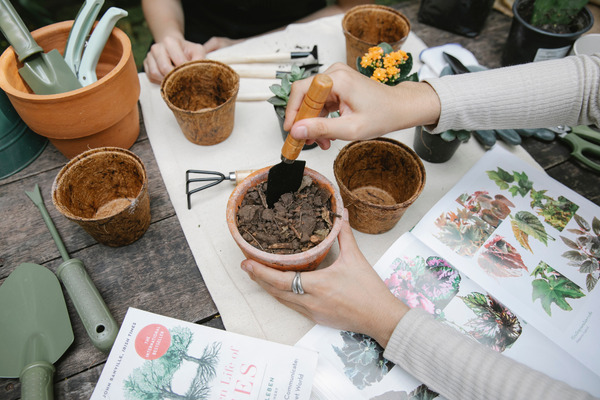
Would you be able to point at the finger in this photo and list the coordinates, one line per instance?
(151, 70)
(279, 280)
(195, 51)
(212, 44)
(299, 89)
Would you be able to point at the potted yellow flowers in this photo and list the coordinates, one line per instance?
(383, 64)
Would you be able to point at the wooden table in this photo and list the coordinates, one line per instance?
(158, 272)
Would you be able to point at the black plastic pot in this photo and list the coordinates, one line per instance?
(432, 147)
(527, 43)
(284, 133)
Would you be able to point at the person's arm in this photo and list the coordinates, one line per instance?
(170, 49)
(458, 367)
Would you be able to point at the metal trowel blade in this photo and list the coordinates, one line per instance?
(284, 178)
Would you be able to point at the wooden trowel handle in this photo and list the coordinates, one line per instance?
(311, 107)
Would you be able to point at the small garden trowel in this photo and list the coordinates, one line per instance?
(286, 176)
(99, 324)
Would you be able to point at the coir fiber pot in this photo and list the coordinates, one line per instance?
(305, 261)
(526, 43)
(104, 113)
(202, 94)
(378, 179)
(431, 147)
(105, 191)
(367, 25)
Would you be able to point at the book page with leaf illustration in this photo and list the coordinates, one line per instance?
(352, 366)
(531, 242)
(157, 357)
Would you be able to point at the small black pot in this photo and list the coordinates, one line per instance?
(284, 133)
(432, 147)
(527, 43)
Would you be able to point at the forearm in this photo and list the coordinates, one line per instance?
(532, 95)
(165, 18)
(460, 368)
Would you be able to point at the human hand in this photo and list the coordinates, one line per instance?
(367, 108)
(347, 295)
(168, 54)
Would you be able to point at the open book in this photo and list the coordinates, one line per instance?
(157, 357)
(508, 257)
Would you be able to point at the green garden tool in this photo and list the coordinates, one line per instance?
(99, 324)
(45, 73)
(35, 330)
(82, 25)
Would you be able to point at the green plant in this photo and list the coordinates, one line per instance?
(452, 134)
(282, 91)
(556, 12)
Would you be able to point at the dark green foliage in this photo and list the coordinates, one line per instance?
(556, 12)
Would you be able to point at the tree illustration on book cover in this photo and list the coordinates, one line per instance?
(467, 230)
(585, 250)
(556, 212)
(552, 287)
(154, 379)
(495, 326)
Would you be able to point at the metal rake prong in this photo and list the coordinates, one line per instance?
(214, 180)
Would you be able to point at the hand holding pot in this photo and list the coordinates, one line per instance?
(347, 295)
(368, 109)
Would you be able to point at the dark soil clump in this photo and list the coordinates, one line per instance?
(297, 222)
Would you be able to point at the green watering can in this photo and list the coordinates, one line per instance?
(35, 330)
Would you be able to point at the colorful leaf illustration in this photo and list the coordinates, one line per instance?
(556, 212)
(585, 253)
(530, 225)
(495, 326)
(521, 236)
(552, 287)
(501, 259)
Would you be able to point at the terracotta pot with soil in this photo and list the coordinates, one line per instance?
(201, 94)
(297, 233)
(367, 25)
(104, 113)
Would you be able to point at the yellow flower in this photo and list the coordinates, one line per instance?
(380, 75)
(392, 71)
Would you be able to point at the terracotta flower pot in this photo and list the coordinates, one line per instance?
(366, 26)
(202, 96)
(305, 261)
(104, 113)
(378, 179)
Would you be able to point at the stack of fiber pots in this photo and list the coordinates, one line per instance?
(104, 113)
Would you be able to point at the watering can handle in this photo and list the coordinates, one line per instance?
(99, 324)
(16, 32)
(37, 381)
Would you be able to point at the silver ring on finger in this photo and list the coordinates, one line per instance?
(297, 284)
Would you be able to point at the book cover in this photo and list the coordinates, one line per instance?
(157, 357)
(353, 366)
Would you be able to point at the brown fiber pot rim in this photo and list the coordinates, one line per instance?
(290, 262)
(195, 64)
(9, 55)
(75, 162)
(378, 8)
(356, 200)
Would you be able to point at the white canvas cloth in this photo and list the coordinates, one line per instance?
(255, 143)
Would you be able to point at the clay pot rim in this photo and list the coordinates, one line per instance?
(191, 64)
(89, 89)
(89, 154)
(289, 261)
(407, 149)
(379, 7)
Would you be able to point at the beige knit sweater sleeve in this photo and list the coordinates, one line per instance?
(534, 95)
(459, 368)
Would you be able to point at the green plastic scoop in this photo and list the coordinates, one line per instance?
(99, 324)
(35, 329)
(45, 73)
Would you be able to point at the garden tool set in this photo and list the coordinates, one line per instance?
(51, 73)
(267, 58)
(213, 178)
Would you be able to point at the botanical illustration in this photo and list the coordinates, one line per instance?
(501, 259)
(525, 224)
(585, 253)
(421, 392)
(467, 230)
(495, 326)
(363, 359)
(429, 284)
(556, 212)
(551, 286)
(153, 380)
